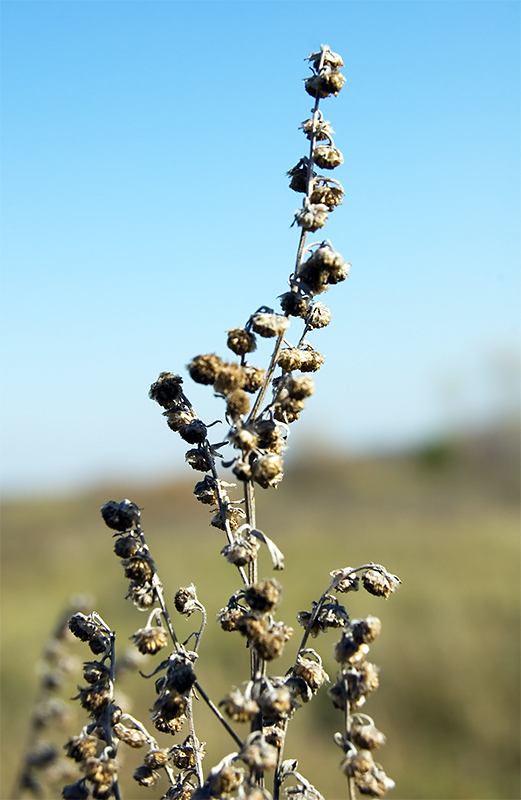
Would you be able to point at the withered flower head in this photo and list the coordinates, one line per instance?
(318, 315)
(241, 552)
(268, 470)
(252, 378)
(365, 630)
(206, 492)
(133, 737)
(238, 707)
(240, 341)
(294, 304)
(320, 127)
(83, 627)
(186, 600)
(194, 432)
(311, 216)
(264, 596)
(237, 403)
(328, 82)
(276, 703)
(198, 460)
(379, 582)
(269, 324)
(270, 644)
(150, 640)
(170, 705)
(257, 753)
(366, 735)
(328, 157)
(145, 776)
(120, 516)
(204, 369)
(139, 569)
(299, 387)
(127, 546)
(326, 57)
(176, 418)
(143, 595)
(229, 616)
(345, 580)
(310, 671)
(81, 747)
(156, 757)
(167, 390)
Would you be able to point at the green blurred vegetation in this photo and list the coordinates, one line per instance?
(444, 518)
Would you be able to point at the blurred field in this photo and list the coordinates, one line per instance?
(445, 519)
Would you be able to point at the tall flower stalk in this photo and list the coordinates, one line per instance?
(261, 403)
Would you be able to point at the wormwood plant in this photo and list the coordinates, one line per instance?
(260, 406)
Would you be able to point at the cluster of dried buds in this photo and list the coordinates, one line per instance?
(357, 677)
(249, 611)
(130, 546)
(95, 748)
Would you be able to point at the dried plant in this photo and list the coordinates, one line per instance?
(260, 406)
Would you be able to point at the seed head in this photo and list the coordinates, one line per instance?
(264, 596)
(240, 341)
(328, 58)
(327, 157)
(268, 470)
(241, 552)
(229, 378)
(311, 216)
(268, 325)
(133, 737)
(167, 390)
(143, 595)
(145, 776)
(380, 584)
(139, 569)
(193, 433)
(345, 580)
(276, 703)
(83, 627)
(204, 369)
(81, 747)
(186, 600)
(156, 758)
(150, 640)
(257, 753)
(367, 736)
(299, 387)
(318, 315)
(327, 82)
(198, 460)
(177, 418)
(238, 707)
(253, 378)
(311, 671)
(120, 516)
(237, 403)
(294, 304)
(366, 630)
(127, 546)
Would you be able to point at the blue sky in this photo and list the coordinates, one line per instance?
(146, 211)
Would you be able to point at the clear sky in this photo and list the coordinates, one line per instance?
(146, 211)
